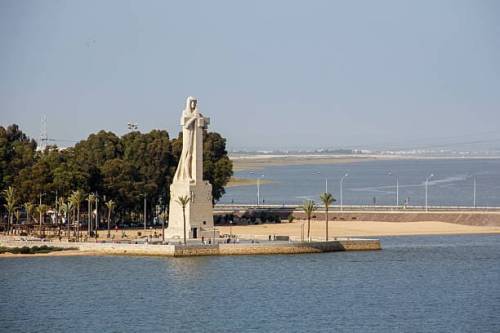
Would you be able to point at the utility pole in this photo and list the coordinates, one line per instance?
(341, 191)
(96, 213)
(56, 213)
(474, 192)
(426, 191)
(40, 211)
(145, 217)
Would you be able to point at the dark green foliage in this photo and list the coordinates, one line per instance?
(217, 167)
(17, 152)
(123, 169)
(34, 249)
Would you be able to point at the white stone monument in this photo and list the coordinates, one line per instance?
(188, 180)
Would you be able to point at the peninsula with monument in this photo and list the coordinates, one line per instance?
(190, 229)
(194, 222)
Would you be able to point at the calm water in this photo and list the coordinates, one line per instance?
(416, 284)
(452, 183)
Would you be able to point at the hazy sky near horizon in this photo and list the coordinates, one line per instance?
(270, 74)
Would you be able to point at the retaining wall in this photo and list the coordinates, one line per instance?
(211, 250)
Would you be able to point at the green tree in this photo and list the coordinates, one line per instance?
(151, 155)
(110, 204)
(10, 204)
(17, 152)
(65, 209)
(61, 202)
(76, 200)
(308, 208)
(18, 216)
(121, 182)
(183, 201)
(90, 199)
(217, 167)
(327, 200)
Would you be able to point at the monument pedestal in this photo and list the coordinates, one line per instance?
(199, 210)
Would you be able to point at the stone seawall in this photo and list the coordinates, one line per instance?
(210, 250)
(102, 248)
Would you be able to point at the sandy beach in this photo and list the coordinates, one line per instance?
(361, 229)
(256, 162)
(233, 182)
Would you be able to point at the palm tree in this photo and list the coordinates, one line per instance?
(308, 208)
(61, 202)
(163, 216)
(69, 210)
(77, 198)
(42, 209)
(66, 208)
(183, 201)
(28, 208)
(10, 204)
(90, 199)
(111, 205)
(18, 216)
(327, 199)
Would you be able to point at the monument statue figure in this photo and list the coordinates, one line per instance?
(190, 115)
(188, 179)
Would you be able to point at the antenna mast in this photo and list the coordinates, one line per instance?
(43, 133)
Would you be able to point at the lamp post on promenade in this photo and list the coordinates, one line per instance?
(145, 212)
(258, 187)
(426, 191)
(342, 191)
(40, 211)
(397, 187)
(326, 180)
(474, 200)
(96, 213)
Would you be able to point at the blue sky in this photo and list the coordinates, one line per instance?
(270, 74)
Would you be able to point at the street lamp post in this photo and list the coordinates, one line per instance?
(258, 187)
(56, 219)
(40, 211)
(326, 181)
(397, 188)
(341, 191)
(474, 192)
(96, 213)
(426, 191)
(145, 217)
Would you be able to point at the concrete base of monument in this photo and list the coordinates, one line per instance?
(177, 249)
(198, 212)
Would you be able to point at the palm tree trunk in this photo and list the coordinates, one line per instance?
(109, 218)
(89, 220)
(78, 227)
(309, 228)
(327, 224)
(184, 217)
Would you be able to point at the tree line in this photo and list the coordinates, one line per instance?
(123, 169)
